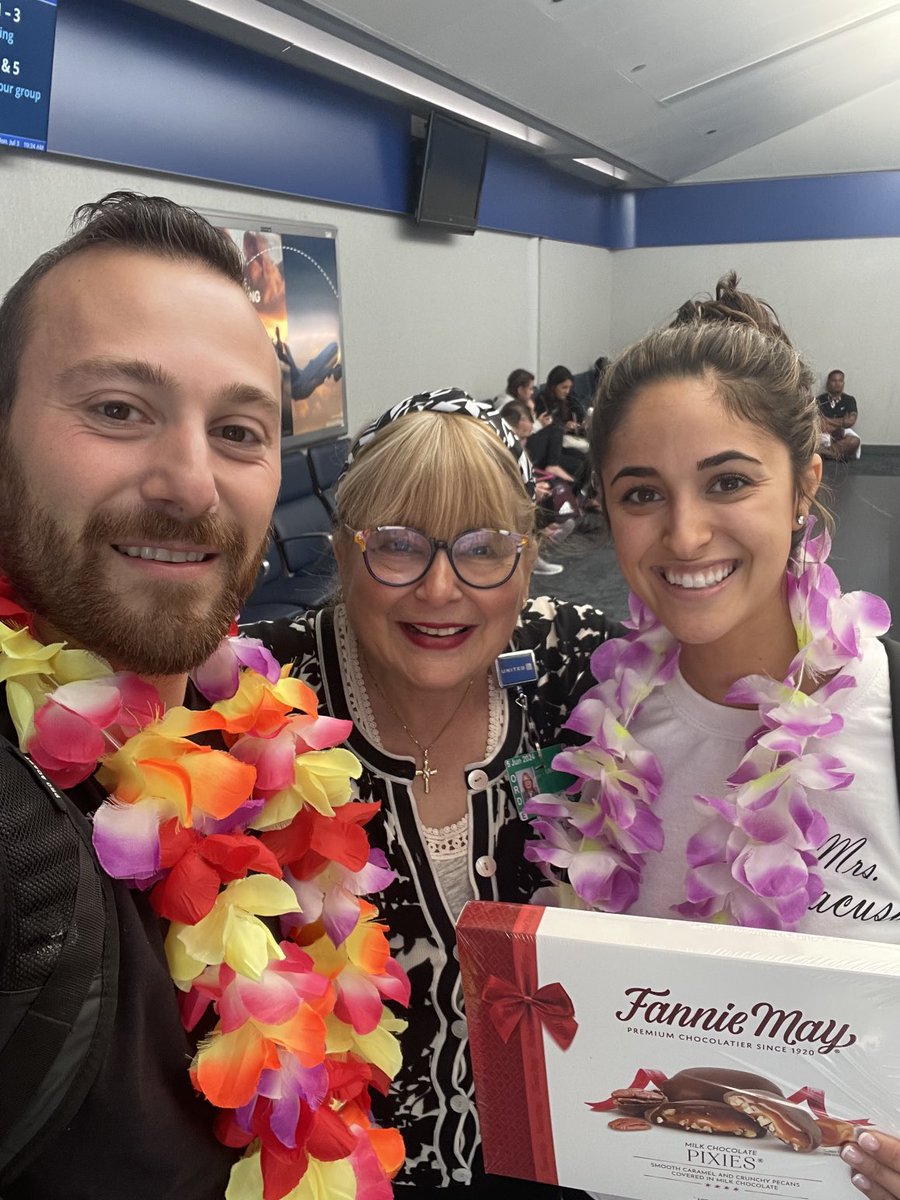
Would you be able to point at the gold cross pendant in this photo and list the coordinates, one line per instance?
(425, 772)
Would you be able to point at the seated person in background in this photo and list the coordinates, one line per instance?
(838, 413)
(519, 387)
(546, 451)
(520, 419)
(558, 401)
(585, 385)
(558, 448)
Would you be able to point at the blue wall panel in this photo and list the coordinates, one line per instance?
(131, 87)
(523, 194)
(768, 210)
(135, 88)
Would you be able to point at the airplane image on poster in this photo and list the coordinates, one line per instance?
(292, 281)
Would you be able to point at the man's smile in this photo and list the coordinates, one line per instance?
(164, 554)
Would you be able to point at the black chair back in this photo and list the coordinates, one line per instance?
(298, 569)
(326, 461)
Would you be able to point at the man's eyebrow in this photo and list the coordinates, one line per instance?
(716, 460)
(106, 368)
(247, 393)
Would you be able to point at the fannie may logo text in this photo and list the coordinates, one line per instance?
(791, 1026)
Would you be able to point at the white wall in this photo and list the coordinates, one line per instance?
(838, 300)
(421, 310)
(574, 305)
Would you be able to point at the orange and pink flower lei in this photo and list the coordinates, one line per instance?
(221, 839)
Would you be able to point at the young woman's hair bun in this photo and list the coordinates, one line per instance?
(731, 305)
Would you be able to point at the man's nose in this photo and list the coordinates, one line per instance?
(179, 478)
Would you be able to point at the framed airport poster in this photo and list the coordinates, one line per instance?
(291, 275)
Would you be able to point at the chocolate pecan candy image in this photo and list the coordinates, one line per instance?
(835, 1132)
(628, 1124)
(791, 1124)
(636, 1101)
(711, 1083)
(705, 1116)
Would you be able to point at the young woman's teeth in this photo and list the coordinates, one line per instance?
(158, 554)
(451, 631)
(699, 579)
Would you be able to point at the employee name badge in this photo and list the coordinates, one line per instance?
(532, 775)
(529, 774)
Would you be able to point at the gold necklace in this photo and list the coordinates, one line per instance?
(424, 771)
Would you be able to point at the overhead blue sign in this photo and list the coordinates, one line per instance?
(27, 32)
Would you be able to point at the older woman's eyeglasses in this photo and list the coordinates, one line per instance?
(397, 556)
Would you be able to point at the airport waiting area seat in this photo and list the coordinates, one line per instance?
(326, 461)
(298, 569)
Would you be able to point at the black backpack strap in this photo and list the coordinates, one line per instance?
(893, 657)
(54, 1052)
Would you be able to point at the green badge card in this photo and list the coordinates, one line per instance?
(532, 775)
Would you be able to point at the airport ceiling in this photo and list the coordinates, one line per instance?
(662, 91)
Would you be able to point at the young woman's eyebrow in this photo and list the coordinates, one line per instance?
(716, 460)
(640, 472)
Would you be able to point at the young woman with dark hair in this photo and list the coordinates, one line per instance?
(749, 710)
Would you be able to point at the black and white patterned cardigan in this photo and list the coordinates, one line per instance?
(431, 1101)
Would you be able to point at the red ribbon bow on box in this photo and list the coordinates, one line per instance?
(507, 1004)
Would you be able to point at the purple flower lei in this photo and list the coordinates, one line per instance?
(753, 862)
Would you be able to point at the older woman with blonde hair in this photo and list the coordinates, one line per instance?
(435, 540)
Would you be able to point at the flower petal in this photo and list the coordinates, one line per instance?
(126, 839)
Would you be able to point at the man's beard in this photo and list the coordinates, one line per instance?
(64, 583)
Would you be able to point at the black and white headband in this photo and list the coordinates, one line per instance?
(449, 400)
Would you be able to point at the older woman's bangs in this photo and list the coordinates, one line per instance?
(473, 496)
(438, 472)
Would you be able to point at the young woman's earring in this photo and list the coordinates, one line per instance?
(801, 519)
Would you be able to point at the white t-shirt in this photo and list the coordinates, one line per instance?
(699, 744)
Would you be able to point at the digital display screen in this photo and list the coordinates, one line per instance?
(455, 156)
(27, 32)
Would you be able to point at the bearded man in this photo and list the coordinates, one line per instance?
(139, 466)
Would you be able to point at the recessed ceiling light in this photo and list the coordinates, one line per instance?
(303, 36)
(604, 167)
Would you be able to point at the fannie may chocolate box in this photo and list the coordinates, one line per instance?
(637, 1057)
